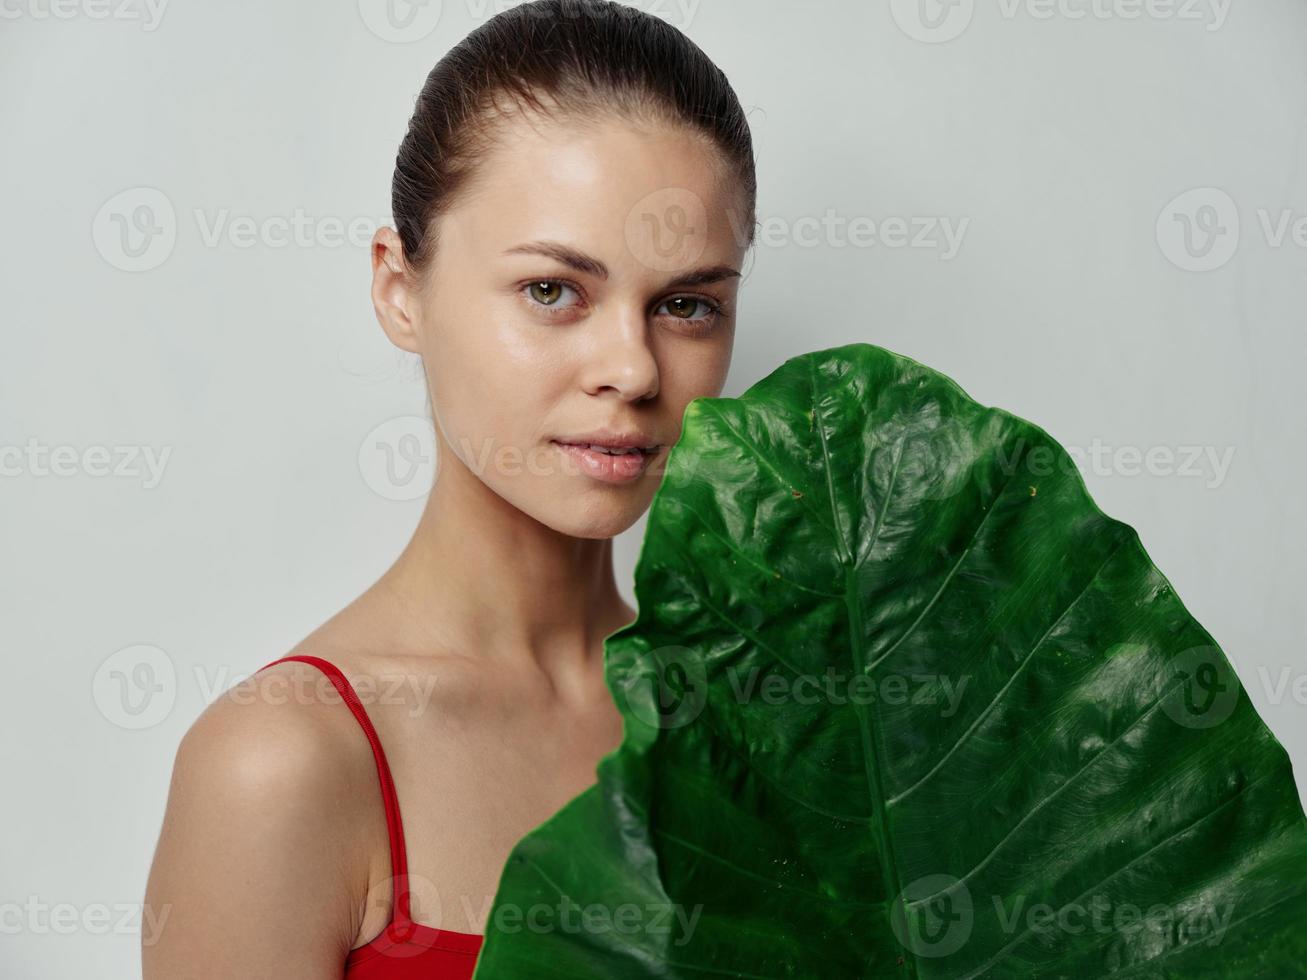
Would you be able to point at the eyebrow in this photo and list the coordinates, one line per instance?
(589, 265)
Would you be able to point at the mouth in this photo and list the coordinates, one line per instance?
(609, 463)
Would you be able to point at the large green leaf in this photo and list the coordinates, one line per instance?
(901, 701)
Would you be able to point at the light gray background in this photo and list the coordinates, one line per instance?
(1074, 148)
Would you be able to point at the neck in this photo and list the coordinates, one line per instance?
(485, 578)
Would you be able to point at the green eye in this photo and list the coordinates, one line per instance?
(546, 291)
(683, 306)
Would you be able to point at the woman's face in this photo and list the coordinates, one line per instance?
(585, 285)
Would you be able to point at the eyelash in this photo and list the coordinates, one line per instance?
(696, 326)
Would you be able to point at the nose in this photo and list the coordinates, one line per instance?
(621, 359)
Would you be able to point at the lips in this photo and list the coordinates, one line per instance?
(611, 450)
(608, 464)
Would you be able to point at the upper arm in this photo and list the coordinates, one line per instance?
(253, 875)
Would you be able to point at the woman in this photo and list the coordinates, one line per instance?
(573, 200)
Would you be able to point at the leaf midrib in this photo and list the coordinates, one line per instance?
(868, 735)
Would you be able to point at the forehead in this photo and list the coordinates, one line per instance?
(644, 198)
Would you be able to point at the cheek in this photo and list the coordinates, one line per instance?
(696, 370)
(490, 386)
(492, 342)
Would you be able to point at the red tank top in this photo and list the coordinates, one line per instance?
(404, 950)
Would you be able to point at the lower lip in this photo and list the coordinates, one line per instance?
(608, 467)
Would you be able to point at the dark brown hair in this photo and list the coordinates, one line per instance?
(580, 58)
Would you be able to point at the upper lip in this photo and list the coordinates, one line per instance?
(610, 439)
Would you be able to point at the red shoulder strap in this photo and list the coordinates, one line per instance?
(394, 826)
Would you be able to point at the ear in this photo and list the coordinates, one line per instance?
(393, 295)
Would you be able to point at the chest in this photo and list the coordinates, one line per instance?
(468, 792)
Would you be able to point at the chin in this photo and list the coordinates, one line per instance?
(595, 522)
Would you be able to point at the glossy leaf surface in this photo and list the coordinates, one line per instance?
(901, 701)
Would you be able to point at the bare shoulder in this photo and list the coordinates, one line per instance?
(282, 746)
(278, 728)
(258, 860)
(276, 741)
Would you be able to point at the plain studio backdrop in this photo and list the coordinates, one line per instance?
(1090, 214)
